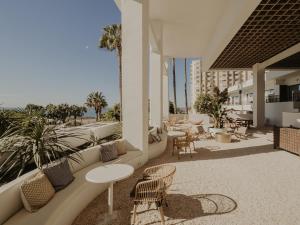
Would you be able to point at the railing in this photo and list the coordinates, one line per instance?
(273, 98)
(295, 97)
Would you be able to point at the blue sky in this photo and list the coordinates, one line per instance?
(49, 54)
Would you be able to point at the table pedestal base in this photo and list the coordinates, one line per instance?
(107, 219)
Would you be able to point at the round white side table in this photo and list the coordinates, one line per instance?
(109, 174)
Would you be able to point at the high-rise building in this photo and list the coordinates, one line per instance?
(236, 82)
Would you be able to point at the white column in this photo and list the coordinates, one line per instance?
(166, 90)
(258, 96)
(156, 89)
(135, 60)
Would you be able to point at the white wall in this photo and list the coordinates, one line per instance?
(273, 112)
(291, 119)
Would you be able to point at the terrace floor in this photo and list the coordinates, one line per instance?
(245, 183)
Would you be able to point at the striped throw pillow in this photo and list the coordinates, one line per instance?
(108, 152)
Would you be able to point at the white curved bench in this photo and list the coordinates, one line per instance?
(157, 148)
(64, 207)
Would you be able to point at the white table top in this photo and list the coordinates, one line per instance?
(109, 173)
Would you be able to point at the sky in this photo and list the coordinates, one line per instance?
(49, 53)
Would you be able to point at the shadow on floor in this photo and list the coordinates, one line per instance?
(215, 152)
(190, 207)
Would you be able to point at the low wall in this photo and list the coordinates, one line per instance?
(273, 112)
(83, 133)
(290, 119)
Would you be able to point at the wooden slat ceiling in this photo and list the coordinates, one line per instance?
(272, 27)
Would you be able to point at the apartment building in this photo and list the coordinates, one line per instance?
(237, 83)
(282, 91)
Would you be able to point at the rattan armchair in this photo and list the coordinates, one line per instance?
(183, 143)
(158, 179)
(164, 171)
(192, 137)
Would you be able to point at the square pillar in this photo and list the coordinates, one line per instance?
(156, 89)
(258, 96)
(165, 91)
(135, 62)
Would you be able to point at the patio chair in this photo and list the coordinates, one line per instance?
(164, 171)
(192, 136)
(182, 143)
(241, 132)
(153, 188)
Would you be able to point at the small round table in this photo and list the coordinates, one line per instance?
(109, 174)
(173, 135)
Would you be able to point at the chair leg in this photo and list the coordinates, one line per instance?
(161, 211)
(134, 213)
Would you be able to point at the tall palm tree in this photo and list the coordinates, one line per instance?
(111, 40)
(174, 87)
(97, 101)
(185, 87)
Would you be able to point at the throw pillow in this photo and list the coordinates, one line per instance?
(59, 174)
(150, 138)
(36, 192)
(156, 137)
(121, 148)
(108, 152)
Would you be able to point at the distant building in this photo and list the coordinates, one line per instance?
(237, 83)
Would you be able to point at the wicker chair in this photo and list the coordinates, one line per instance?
(183, 143)
(154, 189)
(241, 132)
(192, 137)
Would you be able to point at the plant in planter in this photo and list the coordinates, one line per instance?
(30, 144)
(212, 104)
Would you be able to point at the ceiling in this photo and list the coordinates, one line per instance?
(273, 27)
(198, 28)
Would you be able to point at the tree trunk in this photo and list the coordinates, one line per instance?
(174, 87)
(97, 115)
(185, 87)
(119, 53)
(100, 111)
(75, 121)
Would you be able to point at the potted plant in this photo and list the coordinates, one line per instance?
(212, 104)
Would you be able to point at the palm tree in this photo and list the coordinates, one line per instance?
(97, 101)
(185, 87)
(77, 111)
(63, 112)
(112, 41)
(33, 141)
(174, 87)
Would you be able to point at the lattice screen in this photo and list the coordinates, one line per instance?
(273, 27)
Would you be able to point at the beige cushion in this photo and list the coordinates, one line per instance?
(36, 192)
(121, 148)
